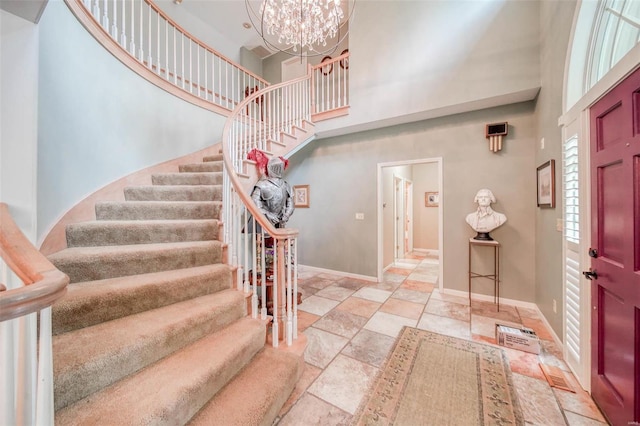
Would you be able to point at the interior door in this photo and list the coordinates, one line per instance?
(408, 214)
(615, 252)
(398, 218)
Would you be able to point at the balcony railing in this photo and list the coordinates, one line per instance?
(157, 43)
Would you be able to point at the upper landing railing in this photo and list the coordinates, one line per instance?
(152, 44)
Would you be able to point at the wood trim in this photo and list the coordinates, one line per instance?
(96, 30)
(44, 283)
(333, 113)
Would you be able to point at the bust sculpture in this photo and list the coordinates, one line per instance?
(485, 219)
(273, 195)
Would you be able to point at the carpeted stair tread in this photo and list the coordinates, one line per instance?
(124, 232)
(157, 210)
(92, 302)
(173, 389)
(208, 158)
(173, 193)
(84, 364)
(96, 263)
(209, 166)
(256, 395)
(202, 178)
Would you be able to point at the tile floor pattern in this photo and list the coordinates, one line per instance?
(351, 326)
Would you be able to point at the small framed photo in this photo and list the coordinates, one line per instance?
(301, 196)
(431, 199)
(546, 183)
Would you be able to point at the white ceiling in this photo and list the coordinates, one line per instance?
(227, 17)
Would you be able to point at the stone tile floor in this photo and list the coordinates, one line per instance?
(351, 326)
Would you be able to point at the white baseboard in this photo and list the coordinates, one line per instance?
(489, 298)
(340, 273)
(430, 252)
(510, 302)
(553, 333)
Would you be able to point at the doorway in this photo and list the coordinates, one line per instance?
(405, 222)
(403, 217)
(615, 251)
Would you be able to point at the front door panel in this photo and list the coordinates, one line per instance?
(615, 213)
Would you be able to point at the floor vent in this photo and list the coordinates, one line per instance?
(556, 378)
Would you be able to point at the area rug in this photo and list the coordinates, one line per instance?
(432, 379)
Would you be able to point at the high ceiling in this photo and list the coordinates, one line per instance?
(227, 17)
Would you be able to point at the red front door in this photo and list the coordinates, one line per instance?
(615, 236)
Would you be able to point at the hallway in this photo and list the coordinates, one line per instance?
(351, 326)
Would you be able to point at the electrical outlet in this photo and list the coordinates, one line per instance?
(359, 216)
(559, 225)
(555, 307)
(542, 143)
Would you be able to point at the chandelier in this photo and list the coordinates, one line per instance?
(312, 27)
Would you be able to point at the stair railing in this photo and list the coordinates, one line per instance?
(330, 88)
(155, 43)
(31, 284)
(264, 255)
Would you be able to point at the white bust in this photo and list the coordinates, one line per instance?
(485, 219)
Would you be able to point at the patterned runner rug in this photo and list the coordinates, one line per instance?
(432, 379)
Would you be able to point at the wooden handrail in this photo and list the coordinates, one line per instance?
(44, 283)
(277, 233)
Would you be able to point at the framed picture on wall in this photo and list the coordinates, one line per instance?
(301, 196)
(546, 183)
(431, 199)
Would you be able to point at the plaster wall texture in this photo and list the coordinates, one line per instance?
(555, 35)
(342, 174)
(18, 119)
(99, 121)
(414, 60)
(425, 219)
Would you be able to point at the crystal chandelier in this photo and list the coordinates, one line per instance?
(297, 26)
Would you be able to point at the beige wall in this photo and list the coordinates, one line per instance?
(412, 60)
(555, 30)
(425, 219)
(342, 174)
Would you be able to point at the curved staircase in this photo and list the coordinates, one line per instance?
(151, 329)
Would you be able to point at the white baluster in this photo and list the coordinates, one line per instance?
(158, 62)
(289, 295)
(206, 76)
(149, 58)
(190, 65)
(132, 43)
(141, 40)
(175, 66)
(182, 57)
(44, 393)
(105, 17)
(8, 358)
(198, 74)
(295, 288)
(167, 76)
(26, 369)
(274, 296)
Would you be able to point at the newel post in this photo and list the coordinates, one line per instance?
(281, 315)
